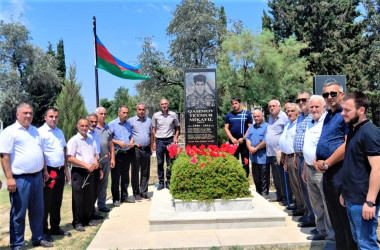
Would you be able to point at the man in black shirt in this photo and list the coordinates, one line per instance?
(361, 176)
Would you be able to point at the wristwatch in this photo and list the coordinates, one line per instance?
(325, 166)
(370, 203)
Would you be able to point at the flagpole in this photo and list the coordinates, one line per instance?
(96, 64)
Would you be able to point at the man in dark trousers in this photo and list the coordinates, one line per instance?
(361, 171)
(329, 159)
(236, 124)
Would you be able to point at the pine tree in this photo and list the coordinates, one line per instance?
(61, 59)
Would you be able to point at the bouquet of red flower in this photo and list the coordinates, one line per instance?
(51, 181)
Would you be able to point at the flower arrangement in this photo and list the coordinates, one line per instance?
(51, 181)
(207, 173)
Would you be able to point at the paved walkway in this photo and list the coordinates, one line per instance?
(127, 227)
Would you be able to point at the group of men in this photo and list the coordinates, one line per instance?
(325, 159)
(35, 163)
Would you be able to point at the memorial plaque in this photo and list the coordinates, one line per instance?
(320, 81)
(201, 125)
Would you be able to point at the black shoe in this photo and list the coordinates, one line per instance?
(43, 243)
(306, 224)
(93, 223)
(167, 185)
(160, 186)
(297, 213)
(145, 197)
(314, 231)
(16, 248)
(292, 207)
(283, 203)
(48, 238)
(302, 218)
(316, 237)
(97, 217)
(116, 203)
(138, 198)
(60, 232)
(273, 200)
(104, 209)
(79, 228)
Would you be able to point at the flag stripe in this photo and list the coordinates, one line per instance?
(115, 70)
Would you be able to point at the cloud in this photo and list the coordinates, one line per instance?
(166, 8)
(12, 10)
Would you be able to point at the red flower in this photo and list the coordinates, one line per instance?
(203, 165)
(202, 147)
(53, 174)
(223, 155)
(107, 155)
(51, 185)
(209, 159)
(194, 160)
(245, 161)
(173, 150)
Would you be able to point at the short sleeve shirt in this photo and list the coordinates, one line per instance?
(82, 148)
(274, 131)
(287, 137)
(141, 130)
(165, 124)
(256, 134)
(302, 122)
(333, 134)
(362, 141)
(238, 122)
(121, 132)
(312, 135)
(24, 147)
(53, 141)
(105, 136)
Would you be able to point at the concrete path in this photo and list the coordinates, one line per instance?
(127, 227)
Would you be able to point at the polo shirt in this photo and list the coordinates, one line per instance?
(165, 124)
(53, 141)
(312, 136)
(274, 131)
(256, 134)
(105, 136)
(24, 147)
(238, 122)
(121, 132)
(82, 148)
(141, 130)
(287, 137)
(333, 132)
(302, 122)
(362, 141)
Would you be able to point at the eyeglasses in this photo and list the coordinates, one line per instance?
(301, 100)
(332, 94)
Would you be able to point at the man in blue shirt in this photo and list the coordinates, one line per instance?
(256, 147)
(361, 171)
(329, 159)
(123, 141)
(236, 124)
(142, 136)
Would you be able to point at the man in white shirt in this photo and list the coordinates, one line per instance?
(54, 144)
(22, 159)
(312, 176)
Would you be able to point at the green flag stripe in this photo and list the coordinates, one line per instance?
(116, 71)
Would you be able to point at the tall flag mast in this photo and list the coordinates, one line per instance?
(96, 63)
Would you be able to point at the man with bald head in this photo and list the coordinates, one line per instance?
(256, 146)
(165, 130)
(277, 120)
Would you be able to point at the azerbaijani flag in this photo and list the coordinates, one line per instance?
(109, 63)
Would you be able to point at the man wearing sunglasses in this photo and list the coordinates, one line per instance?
(329, 159)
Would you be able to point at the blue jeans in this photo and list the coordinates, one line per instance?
(363, 231)
(29, 195)
(162, 153)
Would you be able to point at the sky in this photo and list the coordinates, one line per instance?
(121, 26)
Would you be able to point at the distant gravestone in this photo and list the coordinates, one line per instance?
(320, 81)
(149, 112)
(201, 127)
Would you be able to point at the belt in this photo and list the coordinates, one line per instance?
(165, 139)
(143, 147)
(27, 174)
(55, 168)
(300, 154)
(122, 151)
(290, 155)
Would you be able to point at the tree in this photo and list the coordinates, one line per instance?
(26, 72)
(61, 59)
(122, 98)
(70, 104)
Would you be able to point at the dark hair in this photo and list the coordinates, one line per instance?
(235, 99)
(199, 78)
(305, 92)
(52, 109)
(360, 99)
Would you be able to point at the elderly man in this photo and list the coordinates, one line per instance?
(123, 141)
(165, 129)
(22, 159)
(329, 158)
(236, 124)
(256, 148)
(313, 177)
(299, 161)
(82, 154)
(54, 144)
(200, 98)
(277, 120)
(106, 163)
(286, 145)
(361, 171)
(142, 135)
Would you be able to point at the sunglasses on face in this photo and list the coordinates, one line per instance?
(332, 94)
(301, 100)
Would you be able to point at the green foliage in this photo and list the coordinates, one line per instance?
(61, 59)
(70, 104)
(208, 179)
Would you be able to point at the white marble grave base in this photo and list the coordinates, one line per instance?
(164, 217)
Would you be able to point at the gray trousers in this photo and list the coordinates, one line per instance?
(294, 184)
(102, 196)
(318, 203)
